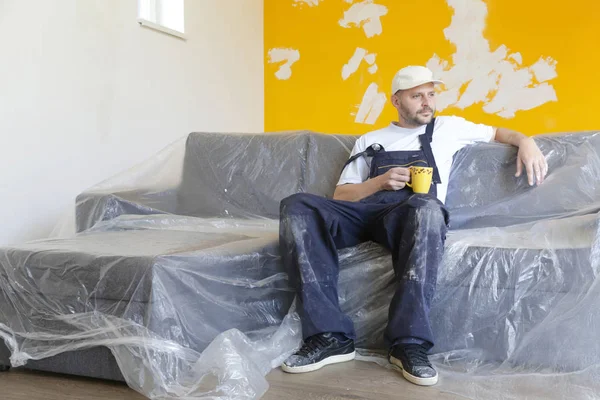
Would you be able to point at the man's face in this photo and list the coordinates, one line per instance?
(415, 106)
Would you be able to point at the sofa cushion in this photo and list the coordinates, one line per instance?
(495, 286)
(184, 285)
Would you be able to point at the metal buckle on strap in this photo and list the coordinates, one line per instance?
(369, 152)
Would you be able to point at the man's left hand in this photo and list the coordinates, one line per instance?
(530, 157)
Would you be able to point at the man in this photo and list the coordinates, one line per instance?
(373, 202)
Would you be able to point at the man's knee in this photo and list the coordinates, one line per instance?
(298, 203)
(427, 205)
(425, 211)
(425, 201)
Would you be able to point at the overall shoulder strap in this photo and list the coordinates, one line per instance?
(425, 140)
(369, 152)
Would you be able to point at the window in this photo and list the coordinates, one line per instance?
(163, 15)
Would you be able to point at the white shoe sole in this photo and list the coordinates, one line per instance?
(313, 367)
(414, 379)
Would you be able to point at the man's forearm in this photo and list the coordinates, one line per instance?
(357, 191)
(529, 157)
(508, 136)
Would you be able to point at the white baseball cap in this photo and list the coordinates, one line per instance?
(412, 76)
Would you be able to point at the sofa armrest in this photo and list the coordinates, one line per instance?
(93, 207)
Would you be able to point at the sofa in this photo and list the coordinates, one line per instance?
(177, 259)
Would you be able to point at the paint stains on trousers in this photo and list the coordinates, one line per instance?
(413, 227)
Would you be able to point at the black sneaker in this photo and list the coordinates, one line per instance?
(415, 365)
(318, 351)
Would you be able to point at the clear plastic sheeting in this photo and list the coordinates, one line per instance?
(483, 190)
(175, 268)
(173, 324)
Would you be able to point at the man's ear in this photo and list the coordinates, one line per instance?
(395, 98)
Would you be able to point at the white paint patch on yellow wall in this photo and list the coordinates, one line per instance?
(367, 15)
(370, 59)
(355, 61)
(496, 78)
(371, 106)
(544, 69)
(290, 56)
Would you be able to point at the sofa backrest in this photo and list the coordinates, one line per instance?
(483, 190)
(247, 175)
(240, 175)
(325, 158)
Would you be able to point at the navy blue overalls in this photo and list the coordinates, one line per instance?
(412, 226)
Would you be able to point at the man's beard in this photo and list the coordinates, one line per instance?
(417, 119)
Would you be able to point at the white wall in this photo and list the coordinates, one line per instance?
(85, 92)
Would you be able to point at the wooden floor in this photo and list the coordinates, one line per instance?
(352, 380)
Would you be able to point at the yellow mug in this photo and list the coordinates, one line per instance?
(420, 178)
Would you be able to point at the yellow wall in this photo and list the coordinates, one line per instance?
(315, 96)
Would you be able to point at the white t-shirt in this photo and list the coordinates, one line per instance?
(450, 134)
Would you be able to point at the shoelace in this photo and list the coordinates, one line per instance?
(313, 344)
(417, 355)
